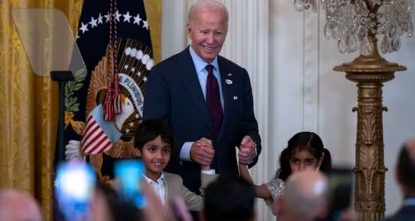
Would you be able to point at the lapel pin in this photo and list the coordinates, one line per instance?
(229, 74)
(235, 97)
(228, 81)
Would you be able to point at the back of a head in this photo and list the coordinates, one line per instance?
(304, 196)
(229, 199)
(108, 205)
(406, 168)
(18, 206)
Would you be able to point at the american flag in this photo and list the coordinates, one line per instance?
(99, 134)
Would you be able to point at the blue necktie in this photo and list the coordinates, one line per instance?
(213, 100)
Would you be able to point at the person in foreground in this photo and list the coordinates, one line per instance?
(304, 198)
(153, 139)
(204, 96)
(18, 206)
(305, 152)
(405, 176)
(229, 198)
(106, 204)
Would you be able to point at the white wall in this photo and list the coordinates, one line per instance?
(294, 85)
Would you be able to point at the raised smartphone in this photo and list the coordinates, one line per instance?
(74, 185)
(128, 175)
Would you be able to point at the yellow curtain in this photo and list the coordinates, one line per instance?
(29, 103)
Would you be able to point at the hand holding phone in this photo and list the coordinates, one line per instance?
(74, 184)
(128, 174)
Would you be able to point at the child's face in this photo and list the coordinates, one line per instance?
(155, 156)
(302, 160)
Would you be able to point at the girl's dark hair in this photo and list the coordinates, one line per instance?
(303, 141)
(149, 130)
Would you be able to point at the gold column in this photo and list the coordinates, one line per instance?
(370, 72)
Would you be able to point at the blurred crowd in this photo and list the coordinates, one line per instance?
(307, 195)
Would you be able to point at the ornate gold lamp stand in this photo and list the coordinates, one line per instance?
(356, 24)
(369, 72)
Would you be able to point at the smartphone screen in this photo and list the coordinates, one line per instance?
(74, 185)
(128, 174)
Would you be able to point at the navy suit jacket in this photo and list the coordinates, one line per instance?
(405, 213)
(173, 92)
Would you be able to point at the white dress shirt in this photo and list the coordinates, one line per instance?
(159, 187)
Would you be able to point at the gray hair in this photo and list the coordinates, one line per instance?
(304, 195)
(207, 5)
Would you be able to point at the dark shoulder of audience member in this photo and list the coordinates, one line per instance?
(120, 209)
(229, 198)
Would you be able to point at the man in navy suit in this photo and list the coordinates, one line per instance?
(177, 90)
(405, 175)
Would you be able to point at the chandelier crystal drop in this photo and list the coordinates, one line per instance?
(350, 22)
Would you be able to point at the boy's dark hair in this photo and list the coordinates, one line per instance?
(149, 130)
(229, 198)
(406, 168)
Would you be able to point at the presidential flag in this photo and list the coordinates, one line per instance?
(104, 104)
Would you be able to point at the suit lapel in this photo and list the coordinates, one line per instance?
(190, 81)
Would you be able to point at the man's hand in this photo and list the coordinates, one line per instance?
(202, 152)
(247, 150)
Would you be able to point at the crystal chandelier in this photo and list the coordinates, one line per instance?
(351, 22)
